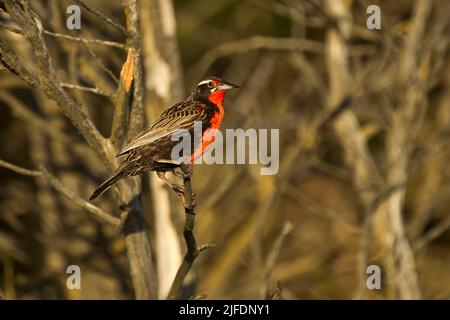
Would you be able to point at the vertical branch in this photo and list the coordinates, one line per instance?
(121, 104)
(412, 75)
(138, 246)
(134, 42)
(163, 87)
(366, 178)
(143, 274)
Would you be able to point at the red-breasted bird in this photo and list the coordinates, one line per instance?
(151, 149)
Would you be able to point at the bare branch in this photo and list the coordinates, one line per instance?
(134, 43)
(100, 63)
(432, 234)
(93, 41)
(139, 253)
(273, 255)
(256, 43)
(102, 16)
(10, 61)
(188, 233)
(87, 89)
(43, 173)
(162, 88)
(17, 169)
(11, 28)
(46, 80)
(96, 211)
(138, 246)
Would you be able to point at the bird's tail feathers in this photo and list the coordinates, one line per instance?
(117, 175)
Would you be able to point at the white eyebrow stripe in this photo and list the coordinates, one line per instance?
(203, 82)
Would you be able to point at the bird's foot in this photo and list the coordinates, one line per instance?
(187, 203)
(192, 203)
(183, 171)
(186, 172)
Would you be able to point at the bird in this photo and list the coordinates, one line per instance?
(151, 150)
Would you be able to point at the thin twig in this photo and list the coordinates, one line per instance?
(11, 28)
(273, 255)
(100, 63)
(43, 173)
(256, 43)
(102, 16)
(20, 170)
(79, 39)
(88, 89)
(96, 211)
(432, 234)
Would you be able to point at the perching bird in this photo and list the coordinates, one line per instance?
(151, 150)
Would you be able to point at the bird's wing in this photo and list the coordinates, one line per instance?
(180, 116)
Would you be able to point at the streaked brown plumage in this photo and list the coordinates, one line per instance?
(151, 150)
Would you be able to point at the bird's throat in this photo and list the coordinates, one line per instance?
(217, 97)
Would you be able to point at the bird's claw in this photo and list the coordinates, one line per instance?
(187, 205)
(186, 170)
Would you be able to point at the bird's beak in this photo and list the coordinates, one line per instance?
(226, 86)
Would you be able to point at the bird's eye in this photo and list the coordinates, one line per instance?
(210, 85)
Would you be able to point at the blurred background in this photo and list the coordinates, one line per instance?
(364, 119)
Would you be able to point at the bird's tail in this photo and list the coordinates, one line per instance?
(117, 175)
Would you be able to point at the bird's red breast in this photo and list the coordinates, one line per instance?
(209, 135)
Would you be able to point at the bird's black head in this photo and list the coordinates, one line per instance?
(212, 89)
